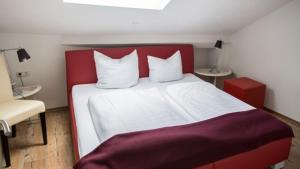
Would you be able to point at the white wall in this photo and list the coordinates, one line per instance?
(269, 51)
(201, 57)
(218, 57)
(47, 64)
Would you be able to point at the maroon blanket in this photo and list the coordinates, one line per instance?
(187, 146)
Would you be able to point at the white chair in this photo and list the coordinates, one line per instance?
(14, 111)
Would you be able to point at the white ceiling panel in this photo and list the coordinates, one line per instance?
(179, 16)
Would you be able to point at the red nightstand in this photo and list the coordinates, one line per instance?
(247, 90)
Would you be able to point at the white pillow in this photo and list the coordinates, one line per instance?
(164, 70)
(116, 73)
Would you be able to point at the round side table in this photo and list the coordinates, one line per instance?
(26, 91)
(215, 75)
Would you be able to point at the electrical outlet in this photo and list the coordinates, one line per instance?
(22, 74)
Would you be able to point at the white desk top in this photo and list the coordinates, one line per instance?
(26, 91)
(220, 73)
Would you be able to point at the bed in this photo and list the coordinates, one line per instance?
(81, 77)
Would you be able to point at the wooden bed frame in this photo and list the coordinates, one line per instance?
(80, 69)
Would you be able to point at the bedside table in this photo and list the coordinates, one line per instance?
(247, 90)
(215, 75)
(26, 91)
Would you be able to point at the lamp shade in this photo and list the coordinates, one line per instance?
(218, 44)
(22, 55)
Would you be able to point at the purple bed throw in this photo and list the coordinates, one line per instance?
(187, 146)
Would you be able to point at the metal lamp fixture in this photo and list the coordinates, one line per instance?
(219, 44)
(22, 54)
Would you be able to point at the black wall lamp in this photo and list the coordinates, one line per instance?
(21, 52)
(22, 56)
(219, 44)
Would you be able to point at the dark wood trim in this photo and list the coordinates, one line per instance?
(283, 116)
(58, 109)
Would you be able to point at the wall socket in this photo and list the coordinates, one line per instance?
(22, 74)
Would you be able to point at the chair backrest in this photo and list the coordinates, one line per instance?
(6, 93)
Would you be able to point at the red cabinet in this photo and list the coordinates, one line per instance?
(247, 90)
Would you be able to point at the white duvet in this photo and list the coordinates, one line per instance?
(124, 111)
(128, 110)
(86, 129)
(87, 136)
(202, 100)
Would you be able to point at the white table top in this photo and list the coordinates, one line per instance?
(220, 73)
(26, 91)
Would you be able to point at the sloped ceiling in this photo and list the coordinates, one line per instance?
(180, 16)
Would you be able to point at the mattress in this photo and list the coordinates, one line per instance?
(87, 135)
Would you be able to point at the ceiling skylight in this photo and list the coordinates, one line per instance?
(142, 4)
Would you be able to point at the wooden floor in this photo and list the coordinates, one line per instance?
(27, 151)
(294, 159)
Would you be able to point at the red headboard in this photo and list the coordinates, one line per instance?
(81, 67)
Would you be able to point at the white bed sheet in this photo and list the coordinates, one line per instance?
(87, 137)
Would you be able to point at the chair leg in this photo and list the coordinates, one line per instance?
(5, 148)
(44, 128)
(13, 131)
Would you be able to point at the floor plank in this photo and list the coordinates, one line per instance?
(28, 151)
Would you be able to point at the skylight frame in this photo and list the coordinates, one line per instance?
(138, 4)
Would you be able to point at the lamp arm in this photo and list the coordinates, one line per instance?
(6, 128)
(4, 50)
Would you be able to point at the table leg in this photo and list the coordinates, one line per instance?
(215, 81)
